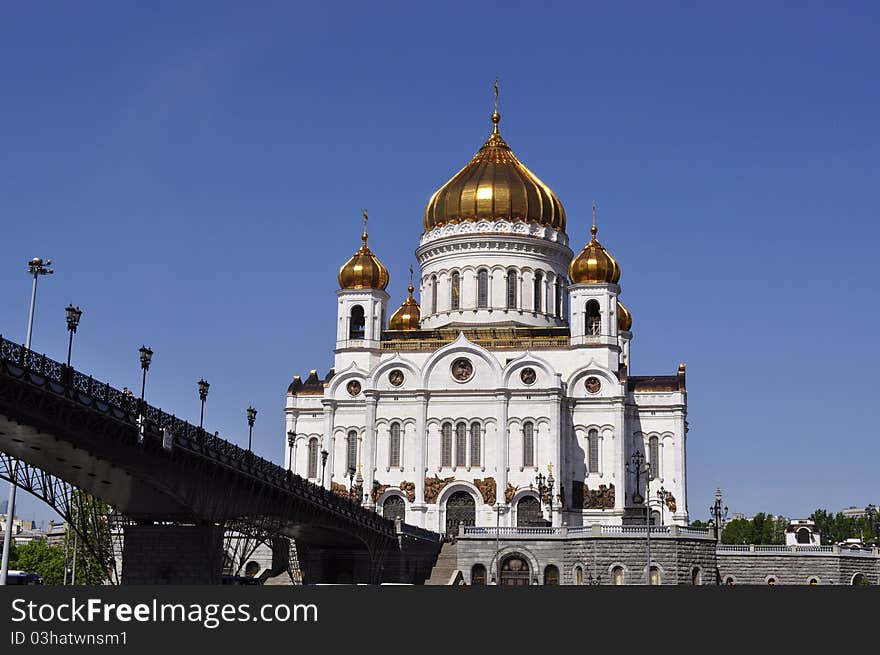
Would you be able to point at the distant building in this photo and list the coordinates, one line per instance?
(802, 532)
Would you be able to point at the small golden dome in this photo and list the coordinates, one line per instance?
(594, 264)
(624, 318)
(363, 270)
(494, 185)
(407, 315)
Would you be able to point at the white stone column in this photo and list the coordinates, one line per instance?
(369, 458)
(502, 445)
(328, 442)
(681, 464)
(621, 440)
(556, 441)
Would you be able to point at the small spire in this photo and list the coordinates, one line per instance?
(364, 235)
(594, 229)
(411, 287)
(496, 117)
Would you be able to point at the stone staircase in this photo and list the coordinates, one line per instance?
(446, 566)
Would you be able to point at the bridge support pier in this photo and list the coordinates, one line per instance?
(172, 554)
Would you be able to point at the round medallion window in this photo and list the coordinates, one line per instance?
(395, 377)
(353, 387)
(593, 384)
(528, 375)
(462, 369)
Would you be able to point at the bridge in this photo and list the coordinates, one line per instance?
(175, 490)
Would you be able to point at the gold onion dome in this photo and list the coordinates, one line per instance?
(407, 315)
(495, 185)
(594, 264)
(624, 318)
(363, 270)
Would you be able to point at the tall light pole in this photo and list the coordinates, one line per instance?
(251, 417)
(146, 357)
(73, 316)
(203, 396)
(719, 512)
(324, 456)
(36, 267)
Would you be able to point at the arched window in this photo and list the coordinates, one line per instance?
(351, 451)
(696, 576)
(482, 288)
(593, 451)
(803, 536)
(475, 444)
(461, 444)
(617, 575)
(654, 456)
(551, 575)
(528, 512)
(771, 581)
(313, 459)
(655, 575)
(515, 571)
(446, 445)
(478, 575)
(433, 294)
(557, 294)
(578, 575)
(592, 318)
(539, 289)
(729, 581)
(394, 446)
(356, 323)
(394, 508)
(528, 446)
(455, 290)
(511, 289)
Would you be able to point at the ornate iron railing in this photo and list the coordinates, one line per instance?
(41, 371)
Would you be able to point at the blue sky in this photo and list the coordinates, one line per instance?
(197, 172)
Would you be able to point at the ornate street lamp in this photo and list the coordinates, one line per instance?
(73, 316)
(350, 483)
(36, 267)
(203, 396)
(251, 417)
(146, 357)
(718, 511)
(324, 456)
(640, 468)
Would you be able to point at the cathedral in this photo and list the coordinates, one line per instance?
(502, 396)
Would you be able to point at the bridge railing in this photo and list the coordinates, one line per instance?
(45, 372)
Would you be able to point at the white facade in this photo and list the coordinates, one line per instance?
(503, 381)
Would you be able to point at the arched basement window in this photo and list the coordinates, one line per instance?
(446, 445)
(356, 323)
(511, 289)
(578, 575)
(455, 290)
(394, 446)
(482, 288)
(539, 289)
(592, 318)
(528, 447)
(593, 451)
(478, 575)
(551, 575)
(617, 575)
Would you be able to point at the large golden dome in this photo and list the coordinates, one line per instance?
(407, 315)
(363, 270)
(495, 185)
(594, 264)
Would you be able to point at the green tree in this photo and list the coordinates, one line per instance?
(37, 556)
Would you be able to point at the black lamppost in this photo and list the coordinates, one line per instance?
(146, 357)
(251, 417)
(350, 482)
(324, 456)
(203, 396)
(545, 487)
(73, 316)
(871, 513)
(718, 511)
